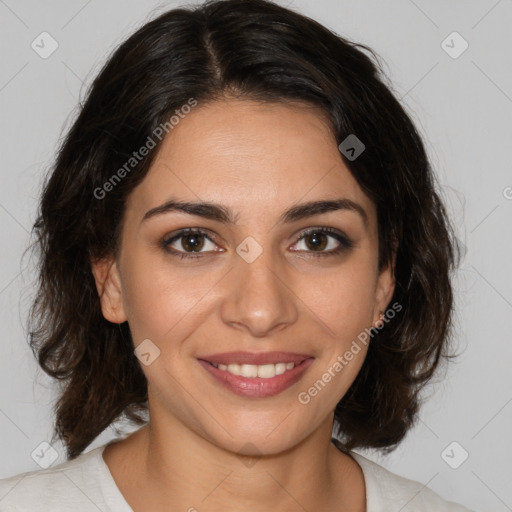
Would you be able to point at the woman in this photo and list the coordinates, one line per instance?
(243, 252)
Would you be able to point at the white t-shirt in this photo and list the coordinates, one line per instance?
(85, 484)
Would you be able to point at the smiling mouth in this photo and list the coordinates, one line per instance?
(256, 374)
(273, 373)
(262, 371)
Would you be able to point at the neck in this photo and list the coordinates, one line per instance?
(172, 467)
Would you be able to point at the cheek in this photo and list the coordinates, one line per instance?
(160, 300)
(343, 302)
(343, 298)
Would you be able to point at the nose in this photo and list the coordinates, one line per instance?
(258, 297)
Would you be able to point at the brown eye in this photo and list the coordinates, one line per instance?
(316, 241)
(193, 242)
(189, 243)
(323, 241)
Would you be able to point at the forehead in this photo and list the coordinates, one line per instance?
(253, 157)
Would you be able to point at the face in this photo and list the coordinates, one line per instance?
(247, 249)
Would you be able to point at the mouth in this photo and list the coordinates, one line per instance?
(256, 375)
(263, 371)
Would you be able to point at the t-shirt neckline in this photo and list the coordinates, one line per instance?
(112, 495)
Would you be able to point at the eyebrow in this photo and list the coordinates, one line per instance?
(224, 215)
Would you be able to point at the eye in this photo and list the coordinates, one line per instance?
(187, 242)
(324, 241)
(194, 243)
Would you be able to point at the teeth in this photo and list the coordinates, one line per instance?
(263, 371)
(234, 369)
(280, 368)
(266, 371)
(248, 370)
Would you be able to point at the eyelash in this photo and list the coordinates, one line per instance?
(345, 242)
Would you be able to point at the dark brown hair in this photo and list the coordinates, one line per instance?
(257, 50)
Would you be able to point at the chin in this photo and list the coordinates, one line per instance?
(256, 440)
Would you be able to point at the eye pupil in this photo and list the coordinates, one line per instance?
(316, 241)
(192, 242)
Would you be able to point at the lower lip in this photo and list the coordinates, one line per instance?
(256, 387)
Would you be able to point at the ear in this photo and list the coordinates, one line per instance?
(384, 289)
(108, 283)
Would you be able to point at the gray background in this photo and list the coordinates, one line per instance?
(461, 105)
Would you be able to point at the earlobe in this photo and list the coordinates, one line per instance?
(385, 290)
(108, 284)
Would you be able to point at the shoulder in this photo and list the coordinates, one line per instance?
(71, 485)
(387, 491)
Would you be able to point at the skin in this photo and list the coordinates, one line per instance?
(257, 160)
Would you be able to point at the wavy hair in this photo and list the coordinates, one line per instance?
(257, 50)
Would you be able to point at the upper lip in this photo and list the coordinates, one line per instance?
(256, 358)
